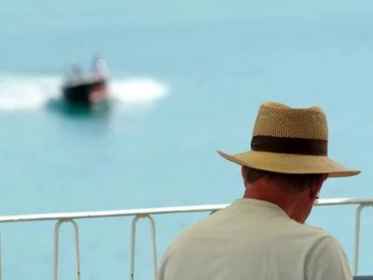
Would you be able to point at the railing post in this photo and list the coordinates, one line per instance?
(133, 245)
(1, 260)
(56, 247)
(357, 237)
(213, 212)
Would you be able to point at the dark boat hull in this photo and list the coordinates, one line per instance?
(85, 93)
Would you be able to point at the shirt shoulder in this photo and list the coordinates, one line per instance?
(327, 260)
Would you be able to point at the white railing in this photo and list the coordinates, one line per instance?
(148, 213)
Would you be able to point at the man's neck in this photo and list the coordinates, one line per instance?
(275, 195)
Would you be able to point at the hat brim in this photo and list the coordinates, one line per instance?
(290, 163)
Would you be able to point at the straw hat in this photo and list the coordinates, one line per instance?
(290, 140)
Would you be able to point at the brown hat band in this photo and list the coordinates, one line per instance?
(283, 145)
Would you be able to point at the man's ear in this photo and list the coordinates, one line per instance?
(243, 174)
(315, 190)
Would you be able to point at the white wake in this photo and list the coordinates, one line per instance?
(32, 92)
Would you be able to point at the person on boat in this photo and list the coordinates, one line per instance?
(263, 235)
(99, 65)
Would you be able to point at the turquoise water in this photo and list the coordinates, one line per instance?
(188, 78)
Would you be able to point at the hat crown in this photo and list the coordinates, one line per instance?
(290, 141)
(279, 120)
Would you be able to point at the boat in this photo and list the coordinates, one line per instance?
(87, 90)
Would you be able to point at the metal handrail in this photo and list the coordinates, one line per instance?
(147, 213)
(155, 211)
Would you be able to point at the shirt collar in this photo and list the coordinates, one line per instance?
(260, 203)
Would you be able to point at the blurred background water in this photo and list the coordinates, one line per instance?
(187, 79)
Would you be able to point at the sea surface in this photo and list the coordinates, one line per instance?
(187, 78)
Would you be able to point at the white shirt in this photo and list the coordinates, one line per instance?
(254, 240)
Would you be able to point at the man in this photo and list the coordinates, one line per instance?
(263, 236)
